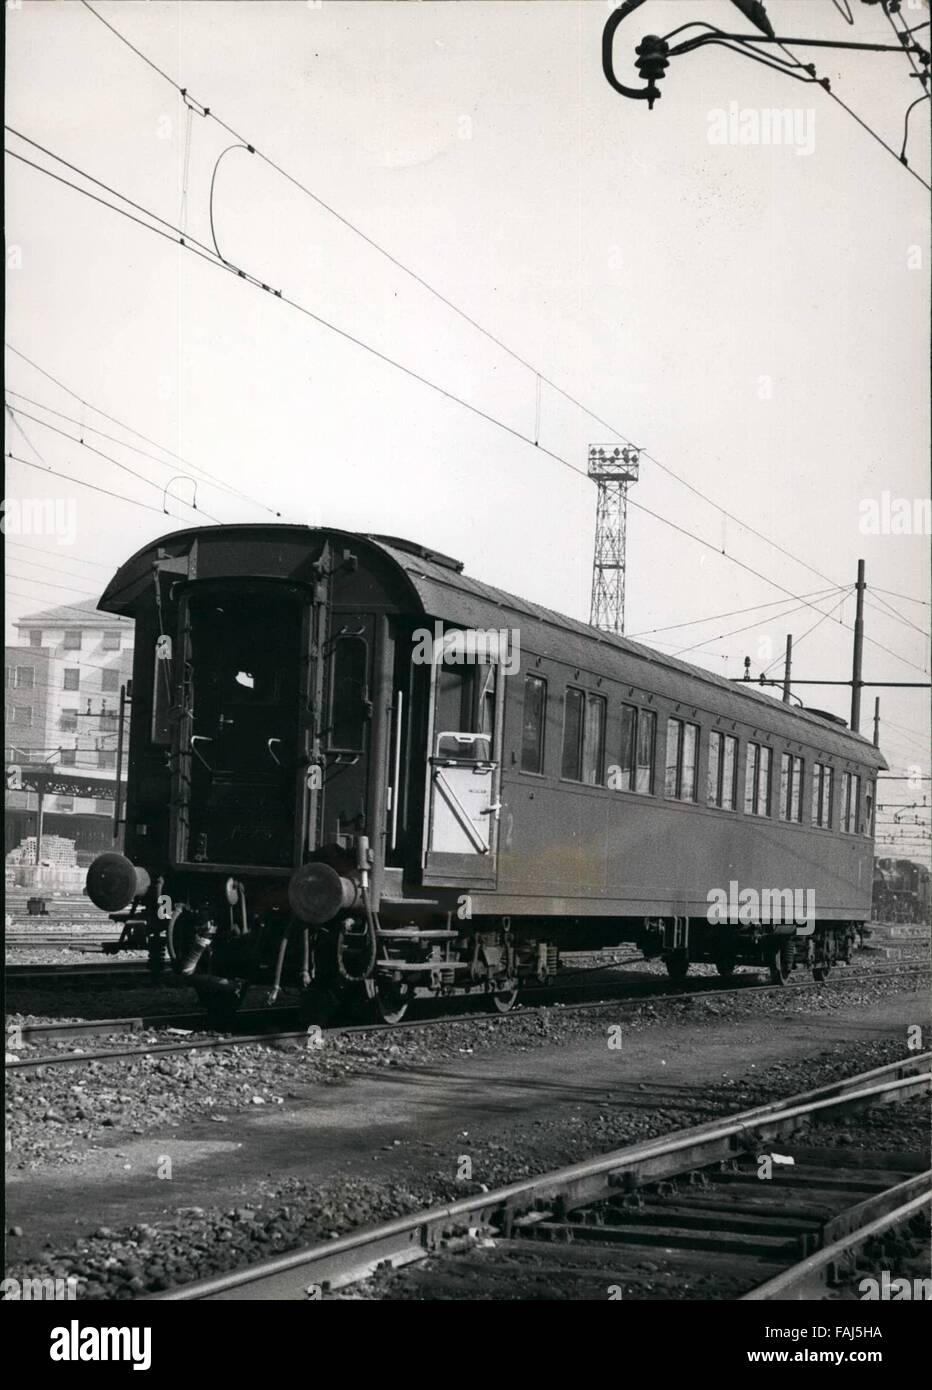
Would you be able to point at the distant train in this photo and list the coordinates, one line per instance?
(901, 891)
(355, 769)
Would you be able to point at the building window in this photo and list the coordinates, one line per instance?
(723, 771)
(69, 757)
(112, 641)
(583, 737)
(103, 808)
(791, 788)
(72, 678)
(108, 722)
(532, 729)
(110, 680)
(850, 803)
(73, 637)
(757, 780)
(35, 637)
(822, 789)
(638, 740)
(69, 721)
(25, 677)
(682, 754)
(106, 757)
(22, 715)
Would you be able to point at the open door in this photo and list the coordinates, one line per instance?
(239, 747)
(464, 771)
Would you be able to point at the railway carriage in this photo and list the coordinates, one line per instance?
(356, 769)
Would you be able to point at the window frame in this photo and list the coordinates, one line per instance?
(715, 795)
(677, 768)
(587, 699)
(71, 671)
(541, 748)
(792, 784)
(73, 639)
(754, 756)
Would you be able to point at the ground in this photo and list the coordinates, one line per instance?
(384, 1126)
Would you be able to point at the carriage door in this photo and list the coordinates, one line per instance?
(464, 766)
(239, 746)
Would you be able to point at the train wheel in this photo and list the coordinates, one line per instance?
(391, 1000)
(677, 963)
(781, 966)
(504, 1000)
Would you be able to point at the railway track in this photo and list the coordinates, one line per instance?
(79, 1030)
(692, 1214)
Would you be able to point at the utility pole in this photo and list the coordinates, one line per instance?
(788, 666)
(613, 467)
(876, 721)
(858, 652)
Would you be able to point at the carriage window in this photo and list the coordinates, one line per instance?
(594, 741)
(723, 770)
(583, 737)
(822, 796)
(868, 827)
(851, 798)
(647, 738)
(487, 700)
(682, 750)
(791, 786)
(349, 705)
(638, 736)
(757, 781)
(532, 734)
(573, 713)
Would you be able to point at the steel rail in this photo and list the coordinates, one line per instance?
(354, 1257)
(622, 1003)
(790, 1282)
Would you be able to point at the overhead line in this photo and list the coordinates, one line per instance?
(425, 284)
(149, 482)
(423, 380)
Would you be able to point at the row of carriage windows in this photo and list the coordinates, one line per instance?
(583, 759)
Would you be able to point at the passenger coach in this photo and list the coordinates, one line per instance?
(356, 768)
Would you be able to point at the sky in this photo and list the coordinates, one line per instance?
(752, 314)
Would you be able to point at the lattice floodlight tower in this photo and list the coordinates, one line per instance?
(613, 467)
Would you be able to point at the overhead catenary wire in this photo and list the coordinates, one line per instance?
(149, 482)
(817, 623)
(209, 112)
(419, 377)
(187, 463)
